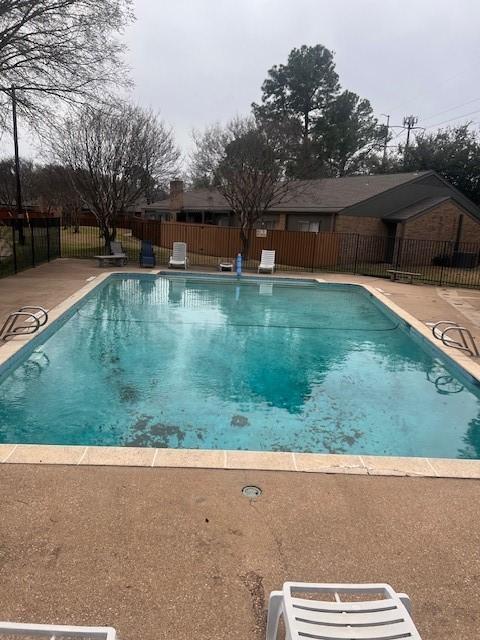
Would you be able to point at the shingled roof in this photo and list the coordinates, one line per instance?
(331, 195)
(328, 195)
(416, 209)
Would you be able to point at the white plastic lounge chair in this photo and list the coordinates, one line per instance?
(267, 261)
(118, 256)
(56, 631)
(382, 614)
(179, 255)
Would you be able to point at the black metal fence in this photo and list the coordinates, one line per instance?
(25, 244)
(436, 262)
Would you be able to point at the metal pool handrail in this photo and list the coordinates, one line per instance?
(467, 340)
(36, 314)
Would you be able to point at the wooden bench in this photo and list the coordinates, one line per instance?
(408, 275)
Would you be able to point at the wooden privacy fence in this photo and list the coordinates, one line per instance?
(438, 262)
(207, 243)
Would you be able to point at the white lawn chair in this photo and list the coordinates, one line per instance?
(179, 255)
(385, 617)
(56, 631)
(267, 261)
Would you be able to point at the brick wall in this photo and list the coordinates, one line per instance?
(439, 223)
(470, 229)
(371, 245)
(360, 224)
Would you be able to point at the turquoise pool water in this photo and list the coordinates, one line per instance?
(220, 364)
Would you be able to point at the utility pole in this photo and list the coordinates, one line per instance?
(409, 123)
(11, 91)
(385, 142)
(21, 236)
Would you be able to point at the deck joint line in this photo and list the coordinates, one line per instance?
(83, 455)
(7, 457)
(364, 465)
(294, 457)
(154, 458)
(432, 467)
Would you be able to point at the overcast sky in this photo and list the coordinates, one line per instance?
(203, 60)
(199, 61)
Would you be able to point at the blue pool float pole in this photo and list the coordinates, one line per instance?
(239, 265)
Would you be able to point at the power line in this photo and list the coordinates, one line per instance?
(465, 115)
(445, 82)
(401, 132)
(439, 113)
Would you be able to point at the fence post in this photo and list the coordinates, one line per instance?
(14, 248)
(59, 227)
(314, 246)
(48, 240)
(356, 254)
(32, 242)
(443, 256)
(398, 254)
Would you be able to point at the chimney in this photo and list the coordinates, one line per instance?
(176, 195)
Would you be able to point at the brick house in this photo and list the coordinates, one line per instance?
(419, 205)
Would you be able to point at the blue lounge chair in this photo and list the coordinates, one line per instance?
(147, 256)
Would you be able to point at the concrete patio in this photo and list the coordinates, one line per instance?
(180, 553)
(168, 553)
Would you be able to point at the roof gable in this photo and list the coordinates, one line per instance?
(427, 185)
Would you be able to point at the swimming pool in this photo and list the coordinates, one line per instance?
(217, 363)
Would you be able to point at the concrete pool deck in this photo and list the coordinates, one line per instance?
(181, 553)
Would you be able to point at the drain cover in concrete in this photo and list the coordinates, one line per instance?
(251, 491)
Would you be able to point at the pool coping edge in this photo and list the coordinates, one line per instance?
(147, 457)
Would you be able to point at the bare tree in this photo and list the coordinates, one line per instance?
(243, 163)
(64, 49)
(114, 156)
(54, 190)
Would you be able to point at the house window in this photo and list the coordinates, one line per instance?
(306, 225)
(266, 223)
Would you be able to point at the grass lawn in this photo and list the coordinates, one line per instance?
(87, 243)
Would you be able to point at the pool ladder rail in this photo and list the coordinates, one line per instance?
(465, 341)
(26, 320)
